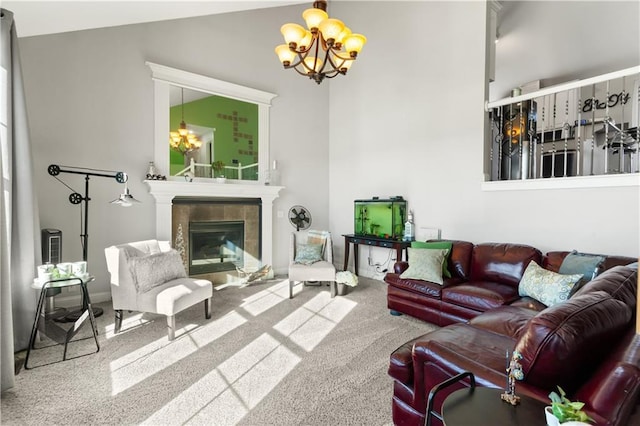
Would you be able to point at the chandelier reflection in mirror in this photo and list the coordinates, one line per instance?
(324, 50)
(183, 140)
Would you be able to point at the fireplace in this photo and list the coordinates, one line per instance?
(179, 202)
(215, 246)
(220, 235)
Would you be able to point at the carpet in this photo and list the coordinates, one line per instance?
(261, 359)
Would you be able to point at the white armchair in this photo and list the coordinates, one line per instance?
(322, 270)
(138, 284)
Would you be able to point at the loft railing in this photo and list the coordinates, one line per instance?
(582, 128)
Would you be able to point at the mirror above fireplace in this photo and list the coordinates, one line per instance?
(167, 79)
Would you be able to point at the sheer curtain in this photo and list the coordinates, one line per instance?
(19, 219)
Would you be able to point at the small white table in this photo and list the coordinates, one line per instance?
(52, 330)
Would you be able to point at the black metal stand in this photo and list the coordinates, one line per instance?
(75, 198)
(56, 333)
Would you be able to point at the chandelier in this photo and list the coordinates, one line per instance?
(326, 49)
(183, 141)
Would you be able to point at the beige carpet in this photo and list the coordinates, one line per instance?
(262, 359)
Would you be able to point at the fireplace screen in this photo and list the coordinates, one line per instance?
(215, 246)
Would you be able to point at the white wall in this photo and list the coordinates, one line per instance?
(408, 120)
(559, 41)
(90, 104)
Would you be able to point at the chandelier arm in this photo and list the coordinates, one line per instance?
(300, 72)
(335, 73)
(314, 41)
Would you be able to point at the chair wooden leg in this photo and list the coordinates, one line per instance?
(207, 307)
(171, 326)
(333, 288)
(119, 316)
(290, 289)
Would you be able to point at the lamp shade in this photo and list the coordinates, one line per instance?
(345, 32)
(354, 43)
(313, 17)
(313, 63)
(306, 40)
(331, 28)
(342, 63)
(285, 54)
(292, 33)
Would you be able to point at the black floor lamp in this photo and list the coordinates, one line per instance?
(125, 200)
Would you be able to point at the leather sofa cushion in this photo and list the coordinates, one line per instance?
(460, 259)
(425, 288)
(506, 320)
(502, 263)
(480, 296)
(529, 303)
(458, 348)
(612, 391)
(564, 343)
(620, 282)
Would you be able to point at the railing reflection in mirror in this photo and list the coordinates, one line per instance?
(583, 128)
(235, 171)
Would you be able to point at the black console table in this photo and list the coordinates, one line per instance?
(356, 240)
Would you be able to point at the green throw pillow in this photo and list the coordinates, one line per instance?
(436, 245)
(579, 263)
(426, 264)
(308, 254)
(546, 286)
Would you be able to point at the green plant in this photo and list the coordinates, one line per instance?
(218, 168)
(566, 410)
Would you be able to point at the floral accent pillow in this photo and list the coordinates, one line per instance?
(546, 286)
(308, 254)
(425, 264)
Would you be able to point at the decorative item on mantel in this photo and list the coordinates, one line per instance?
(218, 171)
(514, 372)
(272, 177)
(153, 174)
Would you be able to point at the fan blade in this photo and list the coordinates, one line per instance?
(306, 219)
(294, 211)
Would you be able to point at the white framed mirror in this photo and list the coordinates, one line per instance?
(250, 148)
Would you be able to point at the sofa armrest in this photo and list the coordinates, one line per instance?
(400, 267)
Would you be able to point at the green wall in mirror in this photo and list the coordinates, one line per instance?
(227, 127)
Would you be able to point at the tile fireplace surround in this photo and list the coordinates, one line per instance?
(165, 191)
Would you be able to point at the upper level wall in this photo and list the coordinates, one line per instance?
(560, 41)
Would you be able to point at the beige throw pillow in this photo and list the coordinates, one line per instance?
(425, 264)
(156, 269)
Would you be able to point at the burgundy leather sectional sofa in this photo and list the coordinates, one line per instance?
(587, 345)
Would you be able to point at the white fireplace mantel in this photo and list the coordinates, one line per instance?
(165, 191)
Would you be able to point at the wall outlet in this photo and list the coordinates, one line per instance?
(425, 233)
(280, 214)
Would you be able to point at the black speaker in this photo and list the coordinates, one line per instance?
(51, 246)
